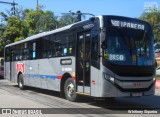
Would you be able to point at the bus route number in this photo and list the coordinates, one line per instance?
(116, 57)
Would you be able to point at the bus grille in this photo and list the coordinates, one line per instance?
(135, 74)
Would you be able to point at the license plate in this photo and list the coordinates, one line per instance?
(136, 94)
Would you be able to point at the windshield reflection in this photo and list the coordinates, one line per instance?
(125, 46)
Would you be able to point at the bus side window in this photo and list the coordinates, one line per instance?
(71, 43)
(13, 55)
(34, 52)
(25, 51)
(7, 54)
(46, 47)
(95, 50)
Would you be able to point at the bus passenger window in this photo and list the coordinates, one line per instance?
(58, 51)
(34, 51)
(34, 54)
(70, 51)
(65, 51)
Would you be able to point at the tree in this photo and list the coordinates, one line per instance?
(2, 28)
(66, 20)
(27, 22)
(39, 20)
(14, 30)
(47, 21)
(154, 19)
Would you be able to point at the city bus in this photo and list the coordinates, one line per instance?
(105, 56)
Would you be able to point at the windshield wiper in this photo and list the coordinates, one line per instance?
(143, 42)
(144, 35)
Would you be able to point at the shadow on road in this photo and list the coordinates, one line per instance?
(42, 91)
(148, 102)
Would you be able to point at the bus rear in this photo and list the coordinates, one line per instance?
(128, 62)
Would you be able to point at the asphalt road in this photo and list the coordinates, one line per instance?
(50, 102)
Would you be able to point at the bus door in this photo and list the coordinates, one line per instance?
(83, 62)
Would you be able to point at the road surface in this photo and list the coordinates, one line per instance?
(49, 102)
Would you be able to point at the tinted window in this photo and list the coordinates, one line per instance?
(55, 45)
(95, 46)
(7, 54)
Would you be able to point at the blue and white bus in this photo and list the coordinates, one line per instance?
(105, 56)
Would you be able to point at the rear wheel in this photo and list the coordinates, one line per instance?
(70, 90)
(21, 82)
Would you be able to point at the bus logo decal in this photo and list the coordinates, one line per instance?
(88, 26)
(20, 67)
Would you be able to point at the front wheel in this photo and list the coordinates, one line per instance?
(21, 82)
(70, 90)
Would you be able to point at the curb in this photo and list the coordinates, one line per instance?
(157, 84)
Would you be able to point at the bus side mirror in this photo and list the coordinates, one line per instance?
(100, 55)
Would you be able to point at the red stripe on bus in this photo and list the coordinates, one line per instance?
(93, 82)
(74, 78)
(59, 77)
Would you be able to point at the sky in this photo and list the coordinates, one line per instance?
(129, 8)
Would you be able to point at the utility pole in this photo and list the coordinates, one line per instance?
(37, 5)
(13, 10)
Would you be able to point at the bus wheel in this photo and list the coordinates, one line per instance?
(70, 90)
(20, 82)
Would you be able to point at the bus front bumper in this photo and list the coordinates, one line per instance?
(120, 89)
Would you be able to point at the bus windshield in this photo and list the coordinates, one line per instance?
(125, 46)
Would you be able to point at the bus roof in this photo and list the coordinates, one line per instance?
(43, 34)
(65, 28)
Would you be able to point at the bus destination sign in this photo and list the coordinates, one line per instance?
(126, 24)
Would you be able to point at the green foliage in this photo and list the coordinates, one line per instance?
(66, 20)
(47, 21)
(28, 22)
(154, 19)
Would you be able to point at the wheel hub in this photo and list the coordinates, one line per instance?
(70, 89)
(20, 83)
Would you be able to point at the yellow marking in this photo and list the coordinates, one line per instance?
(73, 74)
(134, 58)
(83, 93)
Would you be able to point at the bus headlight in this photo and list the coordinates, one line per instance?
(111, 79)
(108, 77)
(154, 79)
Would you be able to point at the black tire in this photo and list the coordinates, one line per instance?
(70, 90)
(21, 82)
